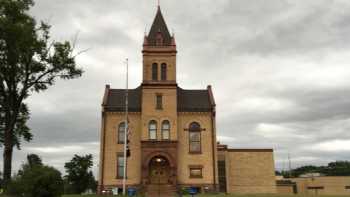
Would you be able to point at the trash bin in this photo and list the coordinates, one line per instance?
(131, 191)
(192, 191)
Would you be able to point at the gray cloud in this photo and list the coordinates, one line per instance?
(279, 71)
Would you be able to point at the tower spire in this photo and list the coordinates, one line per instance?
(159, 33)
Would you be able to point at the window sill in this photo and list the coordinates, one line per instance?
(120, 178)
(196, 177)
(195, 153)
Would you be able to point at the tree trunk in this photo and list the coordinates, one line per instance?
(7, 155)
(10, 121)
(7, 164)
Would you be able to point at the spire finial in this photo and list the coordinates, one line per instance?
(158, 3)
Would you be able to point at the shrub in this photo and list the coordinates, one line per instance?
(36, 181)
(79, 177)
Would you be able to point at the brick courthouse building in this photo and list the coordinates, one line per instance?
(173, 133)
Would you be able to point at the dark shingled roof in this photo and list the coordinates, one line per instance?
(193, 100)
(116, 100)
(187, 100)
(159, 25)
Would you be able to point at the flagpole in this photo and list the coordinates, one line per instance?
(126, 125)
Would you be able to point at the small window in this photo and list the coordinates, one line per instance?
(152, 130)
(196, 172)
(159, 101)
(315, 187)
(347, 187)
(163, 72)
(120, 165)
(195, 138)
(165, 130)
(154, 71)
(121, 133)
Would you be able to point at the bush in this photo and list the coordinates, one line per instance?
(36, 181)
(79, 178)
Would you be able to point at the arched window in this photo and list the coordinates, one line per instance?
(194, 126)
(154, 71)
(163, 72)
(194, 138)
(165, 130)
(152, 130)
(121, 133)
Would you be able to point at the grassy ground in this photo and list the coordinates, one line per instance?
(230, 195)
(262, 195)
(224, 195)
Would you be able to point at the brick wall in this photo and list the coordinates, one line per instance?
(111, 148)
(185, 159)
(250, 171)
(331, 185)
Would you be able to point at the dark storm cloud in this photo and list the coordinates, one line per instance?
(279, 71)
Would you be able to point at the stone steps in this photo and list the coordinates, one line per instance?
(160, 190)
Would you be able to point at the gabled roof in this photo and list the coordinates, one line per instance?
(115, 100)
(159, 27)
(193, 101)
(187, 100)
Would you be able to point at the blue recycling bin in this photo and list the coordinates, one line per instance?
(131, 191)
(192, 191)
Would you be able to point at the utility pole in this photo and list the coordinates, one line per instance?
(126, 125)
(289, 165)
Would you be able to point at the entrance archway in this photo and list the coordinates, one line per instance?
(158, 167)
(159, 170)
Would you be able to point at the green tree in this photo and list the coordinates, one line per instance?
(79, 175)
(34, 160)
(305, 169)
(338, 168)
(29, 62)
(36, 180)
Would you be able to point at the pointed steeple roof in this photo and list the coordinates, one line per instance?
(159, 31)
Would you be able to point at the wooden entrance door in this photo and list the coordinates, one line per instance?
(159, 170)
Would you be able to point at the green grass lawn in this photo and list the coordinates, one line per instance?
(230, 195)
(262, 195)
(225, 195)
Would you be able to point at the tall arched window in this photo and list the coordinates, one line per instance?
(152, 130)
(163, 72)
(165, 130)
(154, 71)
(194, 138)
(121, 133)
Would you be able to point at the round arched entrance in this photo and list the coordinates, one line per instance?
(159, 170)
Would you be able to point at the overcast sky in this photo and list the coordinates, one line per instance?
(279, 70)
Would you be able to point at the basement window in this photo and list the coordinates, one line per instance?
(196, 172)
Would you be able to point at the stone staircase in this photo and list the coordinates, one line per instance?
(161, 190)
